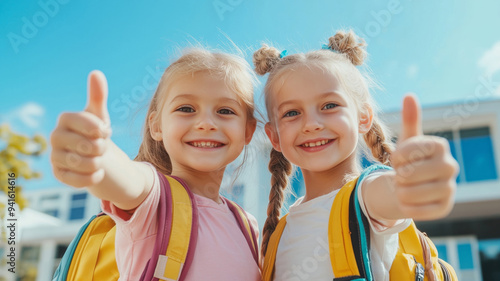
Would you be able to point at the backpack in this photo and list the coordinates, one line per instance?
(349, 244)
(91, 254)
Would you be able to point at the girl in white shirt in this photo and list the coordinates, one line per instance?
(320, 109)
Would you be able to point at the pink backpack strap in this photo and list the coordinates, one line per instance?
(246, 227)
(165, 227)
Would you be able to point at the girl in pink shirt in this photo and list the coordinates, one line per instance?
(199, 120)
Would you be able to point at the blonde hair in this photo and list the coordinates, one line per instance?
(234, 70)
(340, 57)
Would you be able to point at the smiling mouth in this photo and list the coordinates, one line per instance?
(206, 144)
(316, 143)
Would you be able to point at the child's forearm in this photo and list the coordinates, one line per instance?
(126, 183)
(380, 199)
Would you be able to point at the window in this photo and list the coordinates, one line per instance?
(28, 262)
(477, 152)
(473, 150)
(77, 210)
(462, 254)
(465, 256)
(49, 204)
(448, 135)
(442, 252)
(52, 212)
(489, 251)
(60, 250)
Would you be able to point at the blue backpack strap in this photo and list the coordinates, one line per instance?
(360, 227)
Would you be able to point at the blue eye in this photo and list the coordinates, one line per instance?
(291, 113)
(186, 109)
(225, 111)
(330, 106)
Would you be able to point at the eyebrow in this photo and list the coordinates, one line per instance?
(193, 97)
(322, 96)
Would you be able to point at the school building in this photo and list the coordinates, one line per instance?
(45, 230)
(469, 238)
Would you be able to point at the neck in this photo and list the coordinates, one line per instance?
(206, 184)
(319, 183)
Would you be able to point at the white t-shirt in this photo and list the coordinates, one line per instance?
(303, 249)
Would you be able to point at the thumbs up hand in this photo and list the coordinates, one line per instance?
(81, 139)
(98, 96)
(424, 183)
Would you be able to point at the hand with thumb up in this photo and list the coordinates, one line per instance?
(425, 171)
(81, 139)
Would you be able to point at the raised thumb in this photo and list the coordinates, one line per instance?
(411, 117)
(97, 95)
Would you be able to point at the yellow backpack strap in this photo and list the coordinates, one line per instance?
(409, 260)
(272, 249)
(349, 232)
(409, 242)
(339, 236)
(169, 266)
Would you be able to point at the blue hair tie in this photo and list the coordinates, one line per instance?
(326, 47)
(283, 54)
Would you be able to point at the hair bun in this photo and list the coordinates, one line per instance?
(350, 45)
(265, 59)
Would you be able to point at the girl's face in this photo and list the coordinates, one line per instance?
(204, 125)
(314, 123)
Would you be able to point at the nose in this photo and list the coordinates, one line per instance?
(312, 122)
(206, 122)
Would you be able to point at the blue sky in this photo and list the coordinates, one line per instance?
(440, 50)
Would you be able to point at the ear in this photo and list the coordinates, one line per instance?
(250, 129)
(365, 120)
(273, 136)
(155, 126)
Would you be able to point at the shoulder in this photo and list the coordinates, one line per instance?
(147, 166)
(252, 220)
(253, 223)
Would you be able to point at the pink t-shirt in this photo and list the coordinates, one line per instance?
(222, 252)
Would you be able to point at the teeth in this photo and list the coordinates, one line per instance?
(205, 144)
(314, 144)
